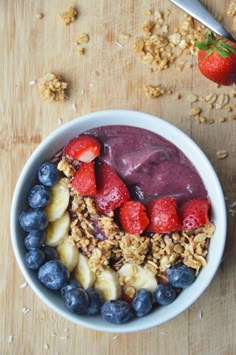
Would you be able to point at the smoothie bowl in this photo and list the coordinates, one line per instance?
(118, 221)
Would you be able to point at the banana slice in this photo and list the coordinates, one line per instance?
(59, 201)
(138, 277)
(68, 254)
(57, 231)
(107, 283)
(83, 273)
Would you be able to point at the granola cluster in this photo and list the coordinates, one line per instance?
(52, 88)
(69, 15)
(99, 237)
(158, 48)
(232, 13)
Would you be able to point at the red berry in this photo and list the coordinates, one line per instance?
(217, 59)
(84, 179)
(84, 148)
(133, 217)
(194, 213)
(111, 190)
(163, 215)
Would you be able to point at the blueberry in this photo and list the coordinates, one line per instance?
(39, 196)
(33, 220)
(72, 284)
(34, 239)
(50, 253)
(76, 300)
(142, 302)
(165, 294)
(116, 312)
(53, 274)
(34, 259)
(95, 301)
(48, 174)
(181, 276)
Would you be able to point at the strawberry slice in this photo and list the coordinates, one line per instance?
(194, 213)
(84, 180)
(111, 190)
(84, 148)
(133, 217)
(163, 216)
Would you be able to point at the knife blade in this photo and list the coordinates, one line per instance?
(195, 9)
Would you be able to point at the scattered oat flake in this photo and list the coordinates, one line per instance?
(193, 98)
(83, 38)
(115, 337)
(24, 285)
(60, 121)
(124, 35)
(163, 333)
(82, 92)
(221, 154)
(118, 44)
(39, 16)
(53, 334)
(177, 96)
(195, 111)
(46, 346)
(25, 311)
(222, 119)
(81, 51)
(64, 337)
(233, 204)
(10, 339)
(66, 330)
(200, 314)
(32, 82)
(74, 107)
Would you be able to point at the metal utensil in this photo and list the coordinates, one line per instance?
(200, 13)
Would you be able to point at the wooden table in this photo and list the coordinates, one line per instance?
(108, 76)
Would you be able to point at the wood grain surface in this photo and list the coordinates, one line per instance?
(107, 76)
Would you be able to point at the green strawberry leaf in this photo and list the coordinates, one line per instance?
(201, 45)
(209, 52)
(229, 48)
(209, 37)
(222, 52)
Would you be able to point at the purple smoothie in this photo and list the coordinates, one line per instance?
(150, 165)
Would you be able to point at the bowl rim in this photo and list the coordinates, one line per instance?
(90, 119)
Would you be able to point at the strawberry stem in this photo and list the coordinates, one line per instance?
(212, 44)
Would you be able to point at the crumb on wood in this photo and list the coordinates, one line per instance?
(52, 88)
(153, 91)
(82, 38)
(39, 16)
(221, 154)
(68, 16)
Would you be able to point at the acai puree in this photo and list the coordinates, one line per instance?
(150, 165)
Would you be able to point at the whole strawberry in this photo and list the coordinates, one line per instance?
(217, 59)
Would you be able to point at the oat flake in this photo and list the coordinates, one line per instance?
(10, 339)
(24, 285)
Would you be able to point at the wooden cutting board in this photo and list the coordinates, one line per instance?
(108, 76)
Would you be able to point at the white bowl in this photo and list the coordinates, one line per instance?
(56, 141)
